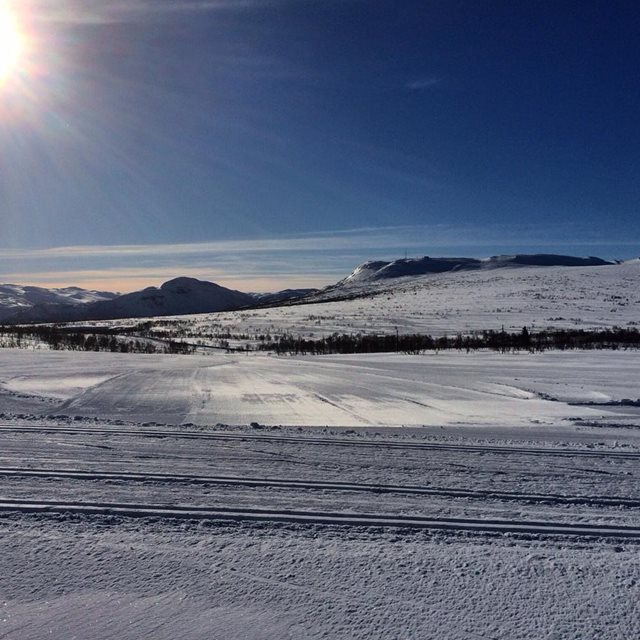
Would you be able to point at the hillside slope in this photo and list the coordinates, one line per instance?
(178, 296)
(175, 297)
(457, 301)
(25, 301)
(381, 270)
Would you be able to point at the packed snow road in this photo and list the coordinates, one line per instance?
(330, 476)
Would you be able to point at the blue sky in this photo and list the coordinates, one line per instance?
(273, 143)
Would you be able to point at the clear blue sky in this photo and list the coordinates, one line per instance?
(267, 142)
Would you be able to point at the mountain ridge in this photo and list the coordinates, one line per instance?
(382, 270)
(184, 295)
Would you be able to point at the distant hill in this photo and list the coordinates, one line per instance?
(175, 297)
(179, 296)
(24, 301)
(381, 270)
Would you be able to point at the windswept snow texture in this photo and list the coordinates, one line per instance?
(389, 389)
(126, 580)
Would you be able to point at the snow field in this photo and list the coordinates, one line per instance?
(437, 304)
(82, 575)
(388, 389)
(121, 580)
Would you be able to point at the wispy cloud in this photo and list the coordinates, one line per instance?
(114, 11)
(389, 238)
(135, 278)
(358, 239)
(423, 83)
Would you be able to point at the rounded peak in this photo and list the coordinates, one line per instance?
(185, 284)
(183, 280)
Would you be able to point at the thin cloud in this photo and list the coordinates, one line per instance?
(356, 240)
(115, 11)
(314, 259)
(351, 239)
(360, 239)
(123, 280)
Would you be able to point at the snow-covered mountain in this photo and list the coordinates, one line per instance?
(464, 301)
(13, 295)
(175, 297)
(17, 300)
(183, 296)
(382, 270)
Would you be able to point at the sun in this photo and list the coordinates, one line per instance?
(11, 44)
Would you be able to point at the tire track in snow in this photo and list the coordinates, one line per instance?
(318, 518)
(327, 442)
(284, 483)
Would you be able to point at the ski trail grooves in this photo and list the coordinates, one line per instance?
(318, 517)
(76, 474)
(327, 442)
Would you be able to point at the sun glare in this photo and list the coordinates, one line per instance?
(11, 44)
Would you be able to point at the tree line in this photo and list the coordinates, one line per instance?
(80, 339)
(503, 341)
(129, 340)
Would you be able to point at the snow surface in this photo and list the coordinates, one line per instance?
(550, 297)
(119, 580)
(88, 571)
(382, 270)
(386, 389)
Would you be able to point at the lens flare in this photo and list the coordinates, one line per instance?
(11, 44)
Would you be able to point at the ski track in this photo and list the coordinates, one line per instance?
(595, 483)
(327, 442)
(147, 533)
(324, 518)
(95, 474)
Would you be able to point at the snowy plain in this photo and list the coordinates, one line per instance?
(447, 388)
